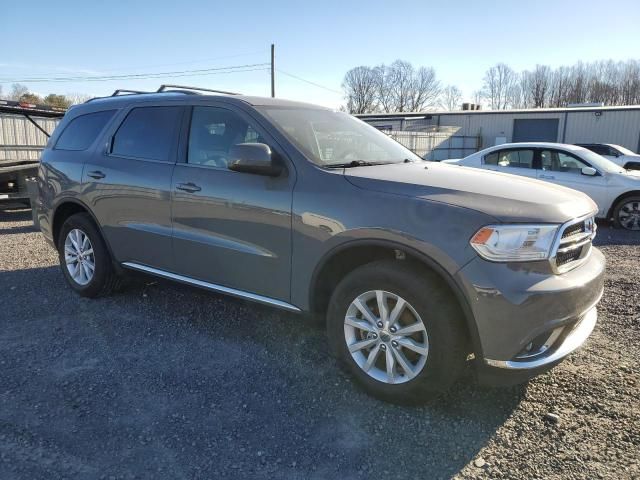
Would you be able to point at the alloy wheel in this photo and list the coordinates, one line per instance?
(629, 215)
(79, 256)
(386, 337)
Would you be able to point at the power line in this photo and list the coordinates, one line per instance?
(119, 69)
(178, 73)
(308, 81)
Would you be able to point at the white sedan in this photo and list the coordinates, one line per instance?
(614, 189)
(616, 153)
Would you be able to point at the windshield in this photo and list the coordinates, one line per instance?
(334, 138)
(600, 162)
(622, 150)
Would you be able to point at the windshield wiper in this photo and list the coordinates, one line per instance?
(351, 164)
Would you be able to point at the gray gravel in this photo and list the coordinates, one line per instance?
(164, 381)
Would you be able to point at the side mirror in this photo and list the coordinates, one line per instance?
(590, 171)
(253, 158)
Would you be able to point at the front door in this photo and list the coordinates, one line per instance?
(231, 229)
(128, 186)
(565, 169)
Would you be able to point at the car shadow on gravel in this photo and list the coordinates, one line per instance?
(169, 381)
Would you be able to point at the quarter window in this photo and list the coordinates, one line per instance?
(556, 161)
(510, 158)
(213, 132)
(148, 133)
(83, 130)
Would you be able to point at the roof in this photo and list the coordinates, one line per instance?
(197, 97)
(566, 146)
(382, 116)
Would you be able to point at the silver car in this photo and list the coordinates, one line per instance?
(419, 269)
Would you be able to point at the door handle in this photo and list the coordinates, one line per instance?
(188, 187)
(548, 177)
(97, 174)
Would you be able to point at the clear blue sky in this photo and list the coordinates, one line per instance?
(316, 40)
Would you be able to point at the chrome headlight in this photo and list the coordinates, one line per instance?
(514, 243)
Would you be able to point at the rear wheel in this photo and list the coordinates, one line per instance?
(84, 257)
(398, 331)
(627, 213)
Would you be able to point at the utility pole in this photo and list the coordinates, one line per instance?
(273, 71)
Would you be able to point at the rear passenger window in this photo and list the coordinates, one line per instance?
(148, 133)
(83, 130)
(510, 158)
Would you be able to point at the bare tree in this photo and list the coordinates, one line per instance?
(451, 98)
(498, 86)
(425, 89)
(402, 80)
(18, 90)
(359, 85)
(76, 98)
(384, 88)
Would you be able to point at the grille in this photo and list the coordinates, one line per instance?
(567, 257)
(573, 245)
(572, 230)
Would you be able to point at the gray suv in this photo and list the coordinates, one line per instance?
(421, 269)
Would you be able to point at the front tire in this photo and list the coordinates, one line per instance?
(398, 331)
(84, 257)
(626, 214)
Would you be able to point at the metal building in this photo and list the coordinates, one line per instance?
(471, 130)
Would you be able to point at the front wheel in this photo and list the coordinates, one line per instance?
(398, 331)
(626, 214)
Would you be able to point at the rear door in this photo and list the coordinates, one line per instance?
(564, 168)
(516, 161)
(231, 229)
(128, 184)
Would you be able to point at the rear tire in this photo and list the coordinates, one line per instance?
(427, 301)
(626, 213)
(84, 258)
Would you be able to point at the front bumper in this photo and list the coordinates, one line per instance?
(515, 307)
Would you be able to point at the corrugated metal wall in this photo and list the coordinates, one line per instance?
(491, 126)
(619, 127)
(20, 139)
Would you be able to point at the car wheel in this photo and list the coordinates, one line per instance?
(84, 257)
(627, 213)
(398, 331)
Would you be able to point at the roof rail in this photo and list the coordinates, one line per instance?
(124, 90)
(163, 88)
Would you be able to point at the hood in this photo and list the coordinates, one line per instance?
(508, 198)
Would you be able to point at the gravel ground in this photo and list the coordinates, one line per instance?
(165, 381)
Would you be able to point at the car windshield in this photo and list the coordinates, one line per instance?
(331, 138)
(600, 162)
(622, 150)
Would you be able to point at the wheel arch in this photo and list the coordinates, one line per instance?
(622, 196)
(347, 256)
(71, 206)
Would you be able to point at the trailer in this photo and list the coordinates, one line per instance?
(24, 131)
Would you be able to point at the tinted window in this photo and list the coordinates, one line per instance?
(556, 161)
(510, 158)
(148, 132)
(83, 130)
(213, 132)
(599, 149)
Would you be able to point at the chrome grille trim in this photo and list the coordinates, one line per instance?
(579, 240)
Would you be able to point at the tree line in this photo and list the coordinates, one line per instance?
(400, 87)
(21, 93)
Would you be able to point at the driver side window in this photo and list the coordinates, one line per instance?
(213, 132)
(556, 161)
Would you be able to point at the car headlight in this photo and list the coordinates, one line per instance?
(514, 243)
